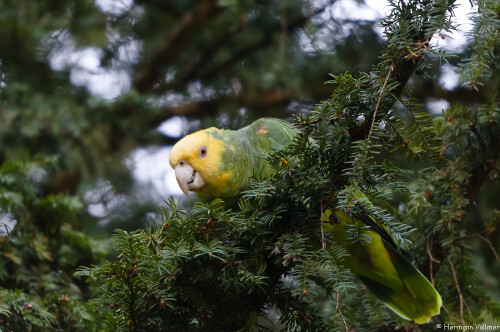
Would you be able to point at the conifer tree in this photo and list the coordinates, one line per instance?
(267, 265)
(264, 264)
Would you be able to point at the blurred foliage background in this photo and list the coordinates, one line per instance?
(86, 86)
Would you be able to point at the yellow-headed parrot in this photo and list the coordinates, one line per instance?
(218, 164)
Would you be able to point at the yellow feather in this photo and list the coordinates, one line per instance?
(209, 167)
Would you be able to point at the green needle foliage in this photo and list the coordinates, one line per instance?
(39, 256)
(267, 265)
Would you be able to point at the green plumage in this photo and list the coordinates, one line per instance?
(377, 261)
(383, 268)
(243, 155)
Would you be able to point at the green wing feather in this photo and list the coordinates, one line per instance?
(385, 270)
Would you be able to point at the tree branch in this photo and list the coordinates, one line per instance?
(402, 66)
(253, 99)
(174, 44)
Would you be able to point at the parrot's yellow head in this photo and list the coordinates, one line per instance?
(196, 160)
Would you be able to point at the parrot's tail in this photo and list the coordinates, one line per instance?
(417, 301)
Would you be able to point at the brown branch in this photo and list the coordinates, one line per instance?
(211, 107)
(374, 117)
(478, 235)
(175, 43)
(491, 246)
(337, 307)
(403, 68)
(254, 99)
(199, 70)
(431, 260)
(459, 291)
(451, 315)
(460, 296)
(379, 99)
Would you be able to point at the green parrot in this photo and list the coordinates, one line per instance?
(218, 163)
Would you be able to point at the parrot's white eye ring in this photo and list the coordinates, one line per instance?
(203, 152)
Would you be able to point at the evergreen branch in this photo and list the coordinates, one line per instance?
(374, 117)
(420, 136)
(406, 57)
(482, 40)
(280, 263)
(403, 71)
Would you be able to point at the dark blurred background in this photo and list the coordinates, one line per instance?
(107, 86)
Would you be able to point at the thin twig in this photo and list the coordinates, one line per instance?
(491, 246)
(337, 307)
(431, 259)
(450, 314)
(461, 297)
(466, 236)
(485, 239)
(323, 242)
(374, 117)
(471, 317)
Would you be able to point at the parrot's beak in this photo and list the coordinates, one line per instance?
(188, 178)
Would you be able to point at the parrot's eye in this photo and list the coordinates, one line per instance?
(203, 152)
